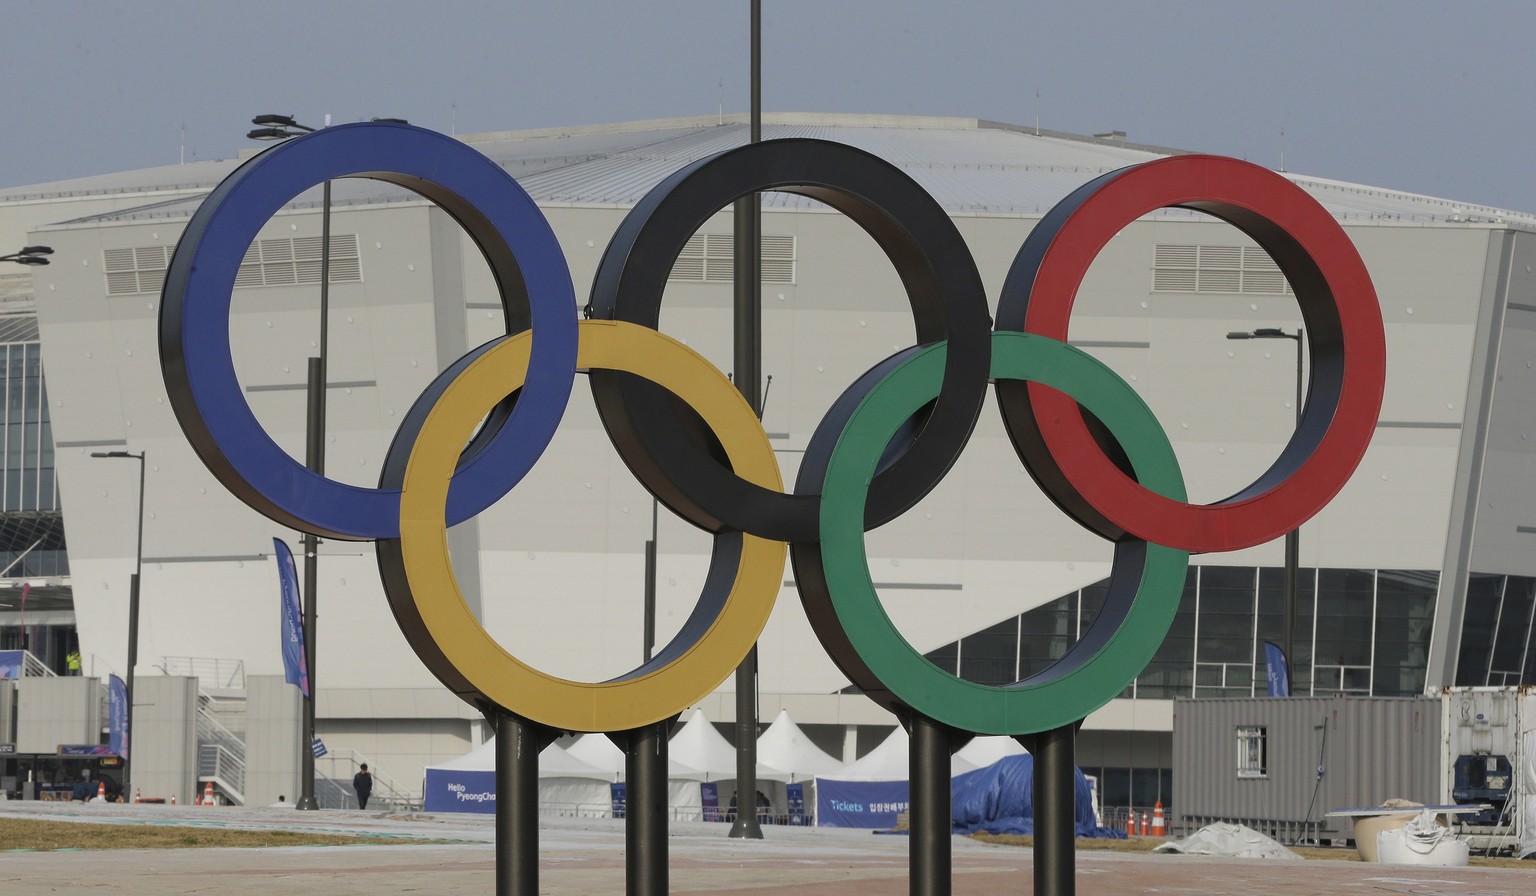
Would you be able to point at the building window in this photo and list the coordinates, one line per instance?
(1243, 270)
(1252, 751)
(295, 261)
(711, 258)
(136, 270)
(285, 261)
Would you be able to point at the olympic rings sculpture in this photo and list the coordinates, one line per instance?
(689, 437)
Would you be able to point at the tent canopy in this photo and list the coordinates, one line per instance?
(890, 762)
(699, 746)
(553, 763)
(984, 750)
(786, 747)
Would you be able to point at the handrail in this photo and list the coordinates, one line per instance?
(385, 790)
(211, 672)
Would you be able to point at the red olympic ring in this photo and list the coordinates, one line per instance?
(1338, 305)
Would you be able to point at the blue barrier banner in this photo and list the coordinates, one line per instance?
(295, 667)
(620, 798)
(1279, 670)
(794, 795)
(860, 804)
(117, 716)
(459, 790)
(709, 797)
(10, 663)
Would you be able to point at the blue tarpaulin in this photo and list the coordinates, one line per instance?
(999, 799)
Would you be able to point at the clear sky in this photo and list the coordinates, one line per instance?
(1429, 97)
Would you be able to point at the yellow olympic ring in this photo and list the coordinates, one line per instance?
(436, 607)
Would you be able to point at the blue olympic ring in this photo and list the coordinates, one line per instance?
(519, 246)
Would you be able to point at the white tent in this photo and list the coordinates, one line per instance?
(598, 750)
(786, 747)
(698, 745)
(985, 750)
(567, 785)
(554, 762)
(890, 762)
(682, 780)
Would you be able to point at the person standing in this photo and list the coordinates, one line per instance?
(362, 782)
(72, 660)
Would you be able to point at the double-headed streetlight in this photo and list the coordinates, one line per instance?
(281, 127)
(32, 255)
(133, 618)
(1292, 542)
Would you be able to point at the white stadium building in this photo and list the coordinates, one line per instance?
(1420, 573)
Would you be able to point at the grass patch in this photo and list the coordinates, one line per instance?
(26, 833)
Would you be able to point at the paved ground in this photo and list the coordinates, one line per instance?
(586, 858)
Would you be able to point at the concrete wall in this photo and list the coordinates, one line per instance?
(274, 723)
(163, 748)
(54, 711)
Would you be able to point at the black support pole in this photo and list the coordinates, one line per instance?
(314, 459)
(133, 661)
(1055, 758)
(645, 811)
(748, 375)
(929, 858)
(518, 742)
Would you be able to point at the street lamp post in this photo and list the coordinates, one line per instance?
(1292, 538)
(133, 619)
(281, 127)
(29, 255)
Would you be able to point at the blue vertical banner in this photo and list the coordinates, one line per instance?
(620, 797)
(295, 666)
(1279, 670)
(794, 794)
(709, 798)
(117, 716)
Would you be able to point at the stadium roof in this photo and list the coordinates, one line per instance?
(969, 165)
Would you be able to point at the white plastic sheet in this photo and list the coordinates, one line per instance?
(1235, 840)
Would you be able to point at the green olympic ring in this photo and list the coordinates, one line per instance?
(1108, 657)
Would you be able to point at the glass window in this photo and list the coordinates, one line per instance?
(990, 656)
(1484, 593)
(1513, 636)
(1252, 751)
(1172, 670)
(1405, 617)
(946, 657)
(1345, 624)
(1047, 632)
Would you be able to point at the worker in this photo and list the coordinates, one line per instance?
(72, 660)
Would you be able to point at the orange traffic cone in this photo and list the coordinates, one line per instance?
(173, 799)
(208, 798)
(1130, 825)
(137, 797)
(101, 791)
(1144, 830)
(1159, 826)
